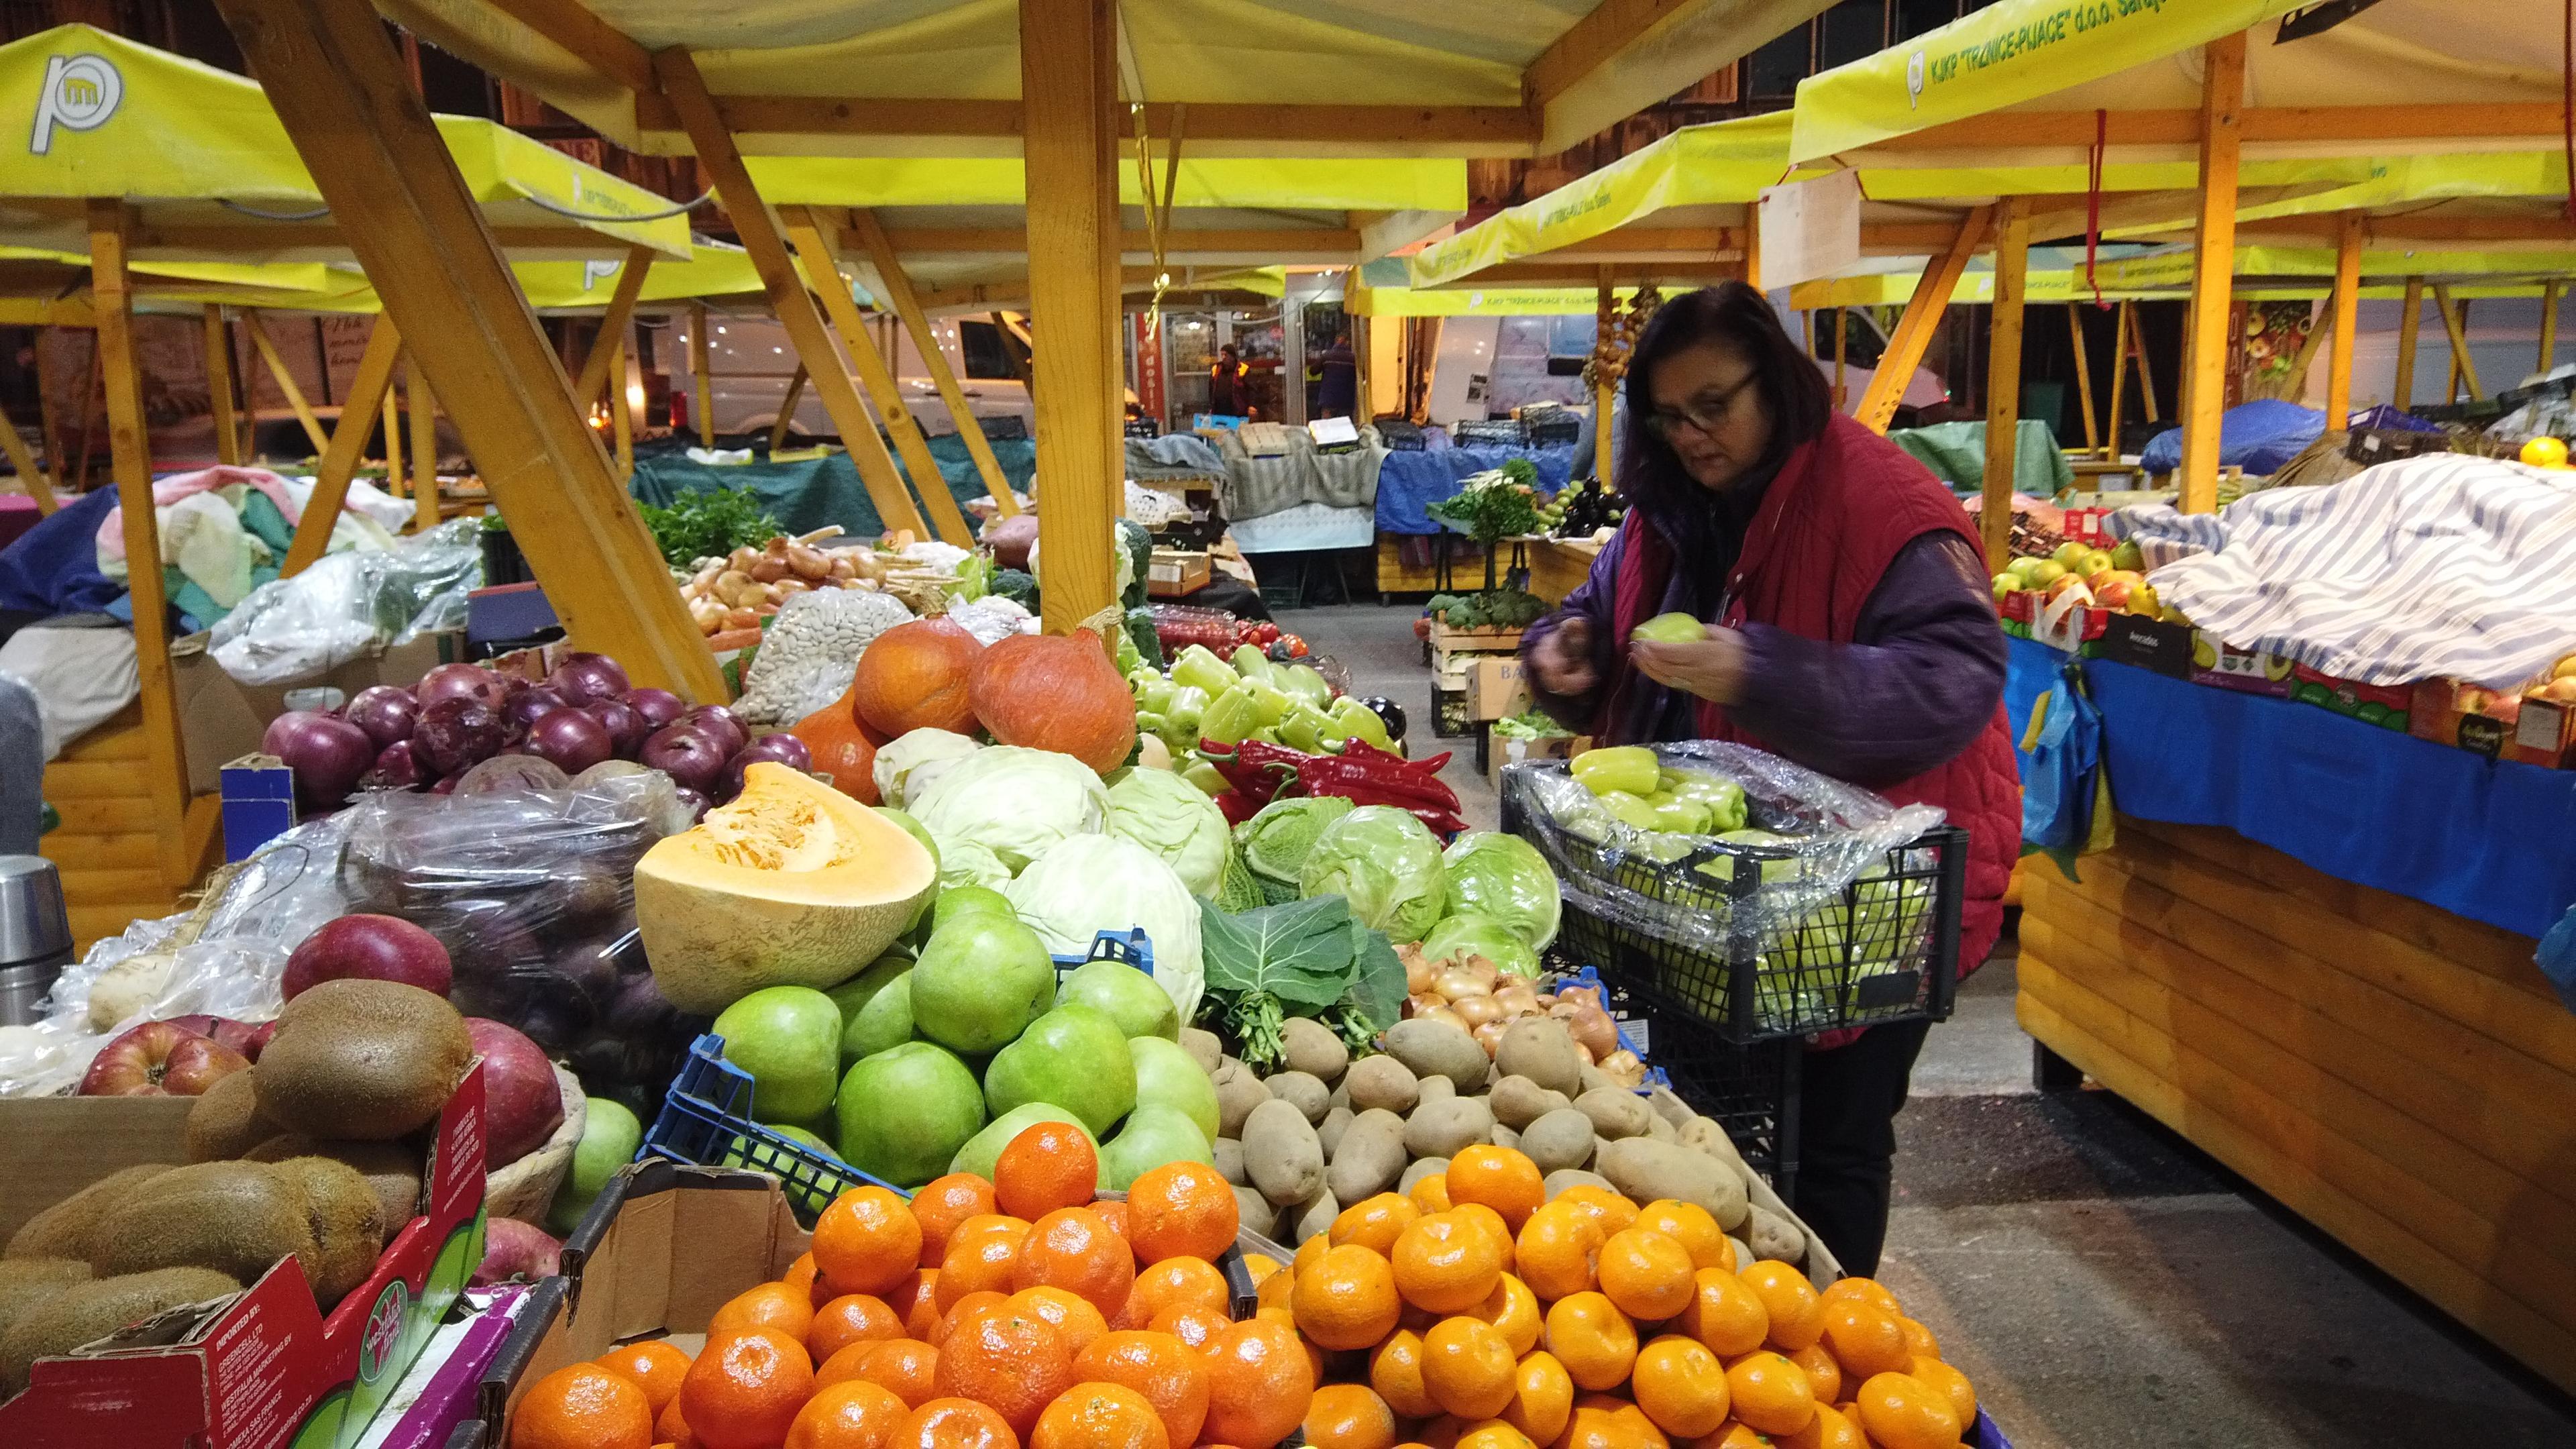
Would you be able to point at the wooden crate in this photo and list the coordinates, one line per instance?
(108, 845)
(2394, 1073)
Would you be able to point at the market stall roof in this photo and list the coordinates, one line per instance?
(2038, 81)
(201, 158)
(2263, 274)
(1276, 77)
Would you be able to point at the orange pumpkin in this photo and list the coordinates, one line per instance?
(915, 676)
(1058, 692)
(841, 747)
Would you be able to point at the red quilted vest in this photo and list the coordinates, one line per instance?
(1841, 509)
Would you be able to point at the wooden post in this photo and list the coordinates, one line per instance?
(2410, 323)
(2119, 382)
(787, 409)
(757, 228)
(2083, 378)
(815, 247)
(2346, 318)
(2146, 376)
(392, 415)
(1932, 291)
(2464, 368)
(2003, 377)
(369, 389)
(129, 458)
(23, 458)
(340, 89)
(598, 363)
(621, 407)
(1604, 391)
(2308, 347)
(219, 386)
(699, 352)
(2549, 324)
(424, 450)
(2213, 272)
(934, 359)
(1069, 86)
(285, 380)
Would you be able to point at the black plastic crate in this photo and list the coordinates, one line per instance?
(1751, 1090)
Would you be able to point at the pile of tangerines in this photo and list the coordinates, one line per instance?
(1472, 1313)
(1469, 1313)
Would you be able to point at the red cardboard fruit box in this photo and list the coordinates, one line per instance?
(2385, 705)
(265, 1369)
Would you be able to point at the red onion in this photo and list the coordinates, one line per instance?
(462, 681)
(582, 678)
(386, 712)
(692, 756)
(572, 739)
(626, 728)
(727, 726)
(457, 733)
(658, 706)
(784, 749)
(696, 800)
(512, 772)
(447, 785)
(529, 705)
(397, 767)
(326, 755)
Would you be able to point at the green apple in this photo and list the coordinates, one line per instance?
(2005, 584)
(789, 1039)
(610, 1138)
(2043, 573)
(2127, 556)
(2093, 562)
(2020, 568)
(2070, 554)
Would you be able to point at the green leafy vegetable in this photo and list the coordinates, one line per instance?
(709, 524)
(1264, 966)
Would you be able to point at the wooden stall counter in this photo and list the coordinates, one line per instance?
(1558, 566)
(2395, 1074)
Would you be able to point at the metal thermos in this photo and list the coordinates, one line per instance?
(35, 935)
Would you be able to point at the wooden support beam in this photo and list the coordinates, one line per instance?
(219, 386)
(1604, 391)
(23, 458)
(614, 323)
(2454, 322)
(787, 409)
(2178, 126)
(369, 390)
(424, 449)
(1215, 128)
(130, 459)
(340, 89)
(2549, 291)
(699, 352)
(2083, 378)
(391, 412)
(285, 380)
(2346, 318)
(1069, 73)
(813, 244)
(896, 284)
(621, 408)
(2398, 232)
(2410, 324)
(2119, 382)
(593, 41)
(757, 227)
(2205, 338)
(2003, 377)
(1904, 352)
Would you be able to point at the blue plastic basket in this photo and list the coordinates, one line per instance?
(706, 1118)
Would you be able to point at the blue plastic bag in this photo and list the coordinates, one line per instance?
(2065, 800)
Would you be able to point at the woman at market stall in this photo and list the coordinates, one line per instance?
(1849, 628)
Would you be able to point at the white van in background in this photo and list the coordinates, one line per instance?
(750, 362)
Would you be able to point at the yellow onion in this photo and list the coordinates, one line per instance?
(1517, 1000)
(1623, 1067)
(1490, 1035)
(1421, 1002)
(1458, 983)
(1546, 999)
(1478, 1010)
(1419, 973)
(1442, 1013)
(1590, 1026)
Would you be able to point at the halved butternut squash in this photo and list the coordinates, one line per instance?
(791, 884)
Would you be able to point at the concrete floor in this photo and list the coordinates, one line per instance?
(2102, 1282)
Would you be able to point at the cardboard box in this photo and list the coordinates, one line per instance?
(1503, 751)
(264, 1369)
(2385, 705)
(2221, 665)
(221, 720)
(1175, 573)
(1497, 687)
(2544, 735)
(258, 803)
(2145, 643)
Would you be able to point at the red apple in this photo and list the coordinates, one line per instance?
(513, 1249)
(259, 1040)
(224, 1031)
(522, 1102)
(376, 948)
(159, 1059)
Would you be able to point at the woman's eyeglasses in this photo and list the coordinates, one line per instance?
(1708, 413)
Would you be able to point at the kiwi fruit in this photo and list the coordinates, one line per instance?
(237, 1218)
(341, 1210)
(68, 1228)
(225, 1123)
(27, 1283)
(391, 1168)
(360, 1059)
(86, 1312)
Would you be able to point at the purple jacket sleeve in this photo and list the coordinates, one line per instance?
(1594, 602)
(1919, 681)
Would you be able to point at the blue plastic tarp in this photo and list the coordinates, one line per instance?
(2258, 437)
(821, 491)
(1408, 482)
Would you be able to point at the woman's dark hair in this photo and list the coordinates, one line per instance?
(1792, 389)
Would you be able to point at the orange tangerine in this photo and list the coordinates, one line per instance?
(1073, 1249)
(1192, 1325)
(944, 1203)
(1830, 1429)
(1260, 1266)
(1373, 1222)
(1919, 1341)
(1771, 1395)
(1431, 1194)
(982, 1253)
(1647, 1274)
(1467, 1368)
(1593, 1339)
(1953, 1385)
(1797, 1317)
(1513, 1311)
(1099, 1416)
(1349, 1416)
(1680, 1385)
(1501, 1178)
(1869, 1290)
(1346, 1299)
(1824, 1372)
(848, 1319)
(1559, 1251)
(653, 1366)
(767, 1305)
(851, 1415)
(583, 1406)
(1723, 1314)
(1899, 1411)
(744, 1389)
(1493, 1224)
(1864, 1338)
(1542, 1397)
(866, 1241)
(1172, 1283)
(1608, 1208)
(1446, 1263)
(1073, 1316)
(1690, 1225)
(1395, 1371)
(1492, 1434)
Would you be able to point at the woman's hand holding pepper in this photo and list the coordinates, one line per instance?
(1562, 662)
(1711, 668)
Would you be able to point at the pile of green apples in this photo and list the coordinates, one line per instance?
(2115, 577)
(1206, 697)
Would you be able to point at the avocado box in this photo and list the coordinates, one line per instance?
(264, 1369)
(2384, 705)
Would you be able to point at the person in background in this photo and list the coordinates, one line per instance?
(1337, 395)
(1225, 383)
(1849, 628)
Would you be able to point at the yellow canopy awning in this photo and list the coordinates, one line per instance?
(200, 156)
(1359, 184)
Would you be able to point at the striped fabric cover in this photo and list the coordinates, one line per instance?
(2437, 566)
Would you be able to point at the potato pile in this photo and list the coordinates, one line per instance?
(1328, 1132)
(1474, 993)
